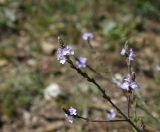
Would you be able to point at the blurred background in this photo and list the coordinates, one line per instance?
(34, 86)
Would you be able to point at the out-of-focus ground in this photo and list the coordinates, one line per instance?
(28, 64)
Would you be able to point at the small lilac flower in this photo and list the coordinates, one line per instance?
(129, 83)
(71, 112)
(158, 67)
(68, 50)
(87, 36)
(63, 52)
(111, 114)
(131, 55)
(124, 85)
(134, 85)
(123, 52)
(81, 62)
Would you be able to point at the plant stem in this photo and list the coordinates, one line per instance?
(90, 120)
(105, 96)
(89, 43)
(129, 104)
(130, 89)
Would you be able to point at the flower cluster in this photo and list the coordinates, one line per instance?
(63, 52)
(81, 62)
(129, 83)
(87, 36)
(70, 114)
(130, 53)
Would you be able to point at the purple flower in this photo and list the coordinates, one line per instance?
(134, 85)
(158, 67)
(123, 52)
(81, 62)
(63, 52)
(131, 55)
(111, 114)
(129, 83)
(71, 112)
(124, 85)
(87, 36)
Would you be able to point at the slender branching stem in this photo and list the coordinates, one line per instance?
(105, 96)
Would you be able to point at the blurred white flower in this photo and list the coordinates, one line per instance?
(117, 79)
(123, 52)
(158, 67)
(52, 91)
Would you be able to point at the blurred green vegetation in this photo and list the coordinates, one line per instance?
(21, 87)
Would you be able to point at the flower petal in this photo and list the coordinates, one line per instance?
(134, 85)
(124, 85)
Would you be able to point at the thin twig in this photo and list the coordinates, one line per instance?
(94, 71)
(91, 120)
(100, 75)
